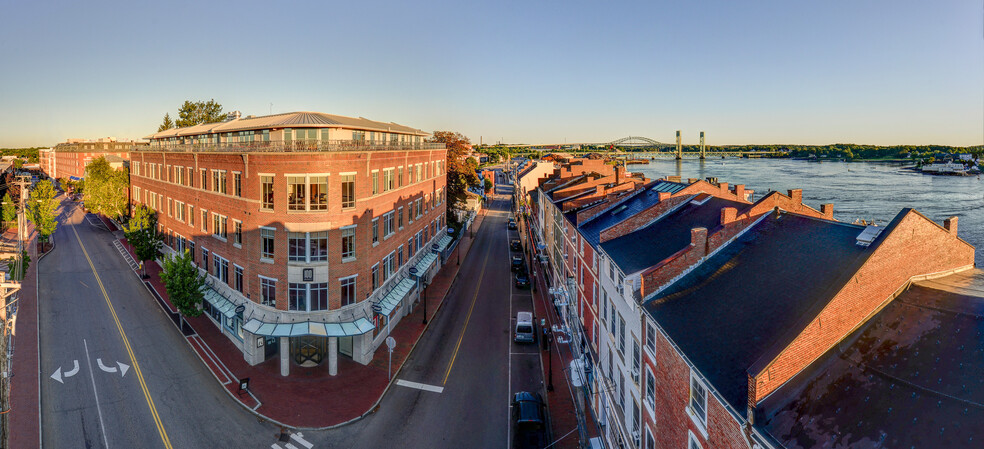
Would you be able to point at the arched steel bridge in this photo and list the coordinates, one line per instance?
(635, 147)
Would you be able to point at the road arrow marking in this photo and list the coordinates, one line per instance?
(58, 375)
(123, 368)
(108, 369)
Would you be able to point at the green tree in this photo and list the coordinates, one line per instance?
(488, 185)
(168, 123)
(106, 190)
(459, 176)
(9, 212)
(196, 113)
(141, 232)
(41, 207)
(185, 285)
(18, 163)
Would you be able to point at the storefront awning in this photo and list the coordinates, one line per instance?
(221, 303)
(425, 263)
(443, 243)
(393, 298)
(306, 328)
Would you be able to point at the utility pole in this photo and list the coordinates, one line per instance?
(8, 315)
(21, 224)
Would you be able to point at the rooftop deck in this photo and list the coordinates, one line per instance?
(287, 147)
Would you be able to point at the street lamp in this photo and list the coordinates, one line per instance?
(547, 338)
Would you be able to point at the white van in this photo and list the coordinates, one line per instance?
(525, 328)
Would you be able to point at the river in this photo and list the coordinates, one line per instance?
(858, 190)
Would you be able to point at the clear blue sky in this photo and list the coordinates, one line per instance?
(878, 72)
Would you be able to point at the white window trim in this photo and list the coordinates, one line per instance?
(651, 408)
(701, 426)
(691, 438)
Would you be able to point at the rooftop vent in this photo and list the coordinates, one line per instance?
(869, 235)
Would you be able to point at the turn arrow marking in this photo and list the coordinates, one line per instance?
(123, 368)
(108, 369)
(58, 375)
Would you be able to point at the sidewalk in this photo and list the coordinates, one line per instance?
(309, 397)
(25, 387)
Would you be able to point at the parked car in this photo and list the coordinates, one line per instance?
(518, 264)
(522, 280)
(515, 245)
(531, 429)
(525, 331)
(512, 224)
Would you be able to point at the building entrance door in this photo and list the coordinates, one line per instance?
(307, 351)
(345, 345)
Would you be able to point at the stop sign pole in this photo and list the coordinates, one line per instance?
(390, 344)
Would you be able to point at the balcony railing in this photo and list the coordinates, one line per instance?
(298, 146)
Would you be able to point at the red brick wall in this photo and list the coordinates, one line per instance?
(672, 388)
(73, 163)
(247, 209)
(917, 246)
(787, 203)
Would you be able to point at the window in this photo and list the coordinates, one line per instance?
(375, 230)
(318, 246)
(267, 193)
(650, 390)
(399, 218)
(295, 193)
(692, 442)
(221, 268)
(319, 192)
(219, 226)
(268, 291)
(399, 176)
(650, 441)
(204, 179)
(409, 174)
(347, 287)
(375, 181)
(375, 276)
(348, 243)
(238, 278)
(388, 228)
(169, 207)
(266, 248)
(204, 258)
(348, 191)
(388, 181)
(237, 227)
(191, 215)
(296, 296)
(651, 337)
(420, 172)
(318, 297)
(179, 211)
(296, 246)
(204, 220)
(621, 335)
(237, 184)
(636, 361)
(698, 401)
(179, 175)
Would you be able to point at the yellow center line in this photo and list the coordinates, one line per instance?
(478, 286)
(129, 350)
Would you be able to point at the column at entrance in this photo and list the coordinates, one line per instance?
(332, 356)
(284, 356)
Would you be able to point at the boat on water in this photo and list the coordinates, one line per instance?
(946, 169)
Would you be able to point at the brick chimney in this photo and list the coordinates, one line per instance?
(724, 187)
(692, 180)
(827, 210)
(950, 224)
(740, 191)
(698, 239)
(728, 215)
(673, 178)
(618, 173)
(796, 195)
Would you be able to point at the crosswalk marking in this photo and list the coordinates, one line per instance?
(297, 437)
(419, 386)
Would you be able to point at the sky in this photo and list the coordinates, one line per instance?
(878, 72)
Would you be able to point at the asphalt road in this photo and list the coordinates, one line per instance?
(477, 375)
(165, 398)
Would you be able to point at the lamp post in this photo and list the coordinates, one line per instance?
(547, 339)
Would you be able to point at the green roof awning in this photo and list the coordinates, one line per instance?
(443, 243)
(221, 303)
(425, 263)
(306, 328)
(394, 297)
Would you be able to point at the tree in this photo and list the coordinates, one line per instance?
(199, 112)
(18, 163)
(459, 176)
(185, 285)
(41, 207)
(168, 123)
(141, 232)
(106, 191)
(9, 212)
(488, 185)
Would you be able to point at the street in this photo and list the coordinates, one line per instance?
(116, 372)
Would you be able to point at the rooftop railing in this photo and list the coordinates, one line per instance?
(298, 146)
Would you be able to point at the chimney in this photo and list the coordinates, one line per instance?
(698, 239)
(950, 224)
(673, 178)
(692, 180)
(740, 191)
(728, 215)
(618, 173)
(827, 210)
(600, 189)
(796, 195)
(724, 187)
(663, 196)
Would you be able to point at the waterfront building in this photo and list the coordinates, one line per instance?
(307, 224)
(68, 160)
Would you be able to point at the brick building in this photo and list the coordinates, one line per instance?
(69, 159)
(308, 225)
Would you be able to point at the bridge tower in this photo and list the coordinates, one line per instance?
(679, 155)
(702, 153)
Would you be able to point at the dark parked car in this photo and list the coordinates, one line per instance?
(531, 431)
(515, 245)
(518, 264)
(512, 224)
(522, 280)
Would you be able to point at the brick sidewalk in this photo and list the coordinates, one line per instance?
(301, 399)
(25, 395)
